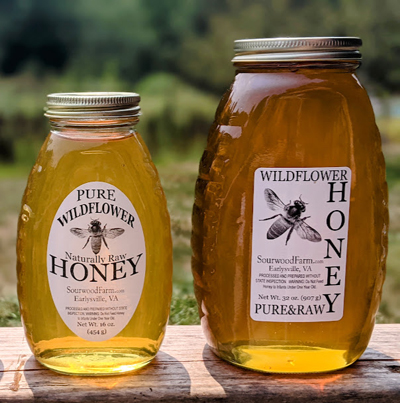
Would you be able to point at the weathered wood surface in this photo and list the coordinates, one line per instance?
(185, 369)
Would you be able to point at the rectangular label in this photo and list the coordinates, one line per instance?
(299, 244)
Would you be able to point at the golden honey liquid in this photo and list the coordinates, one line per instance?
(287, 118)
(65, 163)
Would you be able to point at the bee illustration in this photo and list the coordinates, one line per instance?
(289, 218)
(97, 234)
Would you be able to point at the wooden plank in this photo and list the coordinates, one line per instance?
(187, 370)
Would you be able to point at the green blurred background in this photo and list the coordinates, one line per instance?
(176, 54)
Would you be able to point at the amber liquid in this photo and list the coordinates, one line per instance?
(65, 163)
(300, 118)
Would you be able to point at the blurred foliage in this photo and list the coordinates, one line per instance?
(184, 310)
(9, 312)
(175, 114)
(176, 54)
(178, 174)
(189, 38)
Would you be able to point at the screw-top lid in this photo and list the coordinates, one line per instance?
(84, 105)
(297, 49)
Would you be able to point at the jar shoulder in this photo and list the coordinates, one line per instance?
(64, 164)
(250, 90)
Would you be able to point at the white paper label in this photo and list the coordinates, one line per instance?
(96, 261)
(299, 244)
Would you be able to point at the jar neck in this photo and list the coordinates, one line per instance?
(90, 129)
(327, 66)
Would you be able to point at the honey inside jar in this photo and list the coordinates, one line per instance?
(281, 115)
(92, 309)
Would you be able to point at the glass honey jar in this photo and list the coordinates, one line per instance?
(290, 217)
(94, 244)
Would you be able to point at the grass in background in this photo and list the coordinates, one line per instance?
(389, 311)
(9, 312)
(178, 176)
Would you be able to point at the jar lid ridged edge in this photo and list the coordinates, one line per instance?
(82, 99)
(306, 48)
(91, 104)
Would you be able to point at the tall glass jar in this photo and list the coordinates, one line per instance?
(94, 245)
(290, 217)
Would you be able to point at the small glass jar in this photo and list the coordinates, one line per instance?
(290, 217)
(94, 244)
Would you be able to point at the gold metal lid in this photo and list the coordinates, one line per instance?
(85, 105)
(298, 49)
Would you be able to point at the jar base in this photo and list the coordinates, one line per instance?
(286, 359)
(94, 363)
